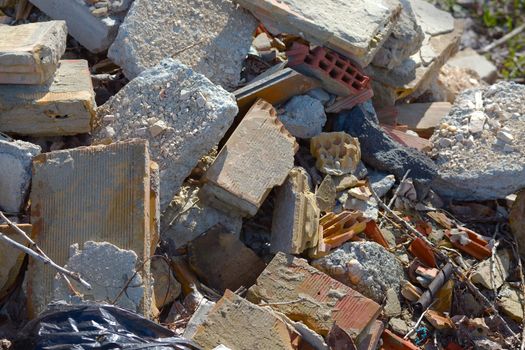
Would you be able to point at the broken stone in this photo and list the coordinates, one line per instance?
(212, 37)
(15, 173)
(368, 207)
(222, 261)
(451, 81)
(29, 53)
(64, 105)
(468, 58)
(511, 302)
(239, 324)
(381, 183)
(318, 300)
(483, 170)
(258, 156)
(505, 136)
(94, 31)
(392, 304)
(365, 266)
(483, 274)
(165, 286)
(106, 191)
(198, 318)
(398, 326)
(262, 42)
(295, 222)
(11, 259)
(108, 270)
(303, 116)
(326, 194)
(171, 92)
(336, 153)
(320, 94)
(433, 20)
(329, 27)
(344, 182)
(362, 193)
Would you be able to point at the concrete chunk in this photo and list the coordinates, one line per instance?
(94, 30)
(258, 156)
(212, 36)
(15, 173)
(196, 112)
(29, 53)
(64, 105)
(295, 222)
(239, 324)
(318, 300)
(98, 193)
(11, 259)
(326, 22)
(468, 58)
(108, 269)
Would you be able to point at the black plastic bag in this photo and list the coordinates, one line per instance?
(96, 326)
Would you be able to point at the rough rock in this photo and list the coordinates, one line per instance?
(381, 182)
(452, 81)
(257, 157)
(29, 53)
(295, 221)
(365, 266)
(15, 172)
(392, 303)
(326, 194)
(107, 268)
(468, 58)
(197, 114)
(165, 286)
(213, 37)
(479, 166)
(398, 326)
(433, 20)
(325, 22)
(483, 272)
(405, 40)
(382, 152)
(510, 301)
(187, 218)
(303, 116)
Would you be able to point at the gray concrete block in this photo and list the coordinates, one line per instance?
(180, 112)
(15, 173)
(211, 36)
(303, 116)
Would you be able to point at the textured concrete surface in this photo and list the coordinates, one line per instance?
(11, 258)
(212, 36)
(432, 20)
(15, 173)
(486, 164)
(382, 152)
(107, 268)
(92, 32)
(365, 266)
(239, 324)
(303, 116)
(326, 22)
(98, 193)
(257, 157)
(295, 221)
(64, 105)
(29, 53)
(180, 112)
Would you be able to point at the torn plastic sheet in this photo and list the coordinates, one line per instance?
(96, 326)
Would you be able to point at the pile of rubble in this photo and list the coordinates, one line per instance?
(257, 175)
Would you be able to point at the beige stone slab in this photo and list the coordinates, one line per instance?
(295, 222)
(29, 53)
(97, 193)
(238, 324)
(11, 259)
(65, 105)
(257, 157)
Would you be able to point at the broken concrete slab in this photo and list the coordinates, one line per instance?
(257, 157)
(423, 118)
(93, 27)
(165, 286)
(187, 218)
(222, 261)
(295, 221)
(318, 300)
(64, 105)
(303, 116)
(326, 23)
(108, 269)
(29, 53)
(481, 166)
(382, 152)
(11, 259)
(364, 266)
(106, 191)
(15, 173)
(198, 318)
(493, 275)
(468, 58)
(213, 37)
(196, 114)
(239, 324)
(433, 20)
